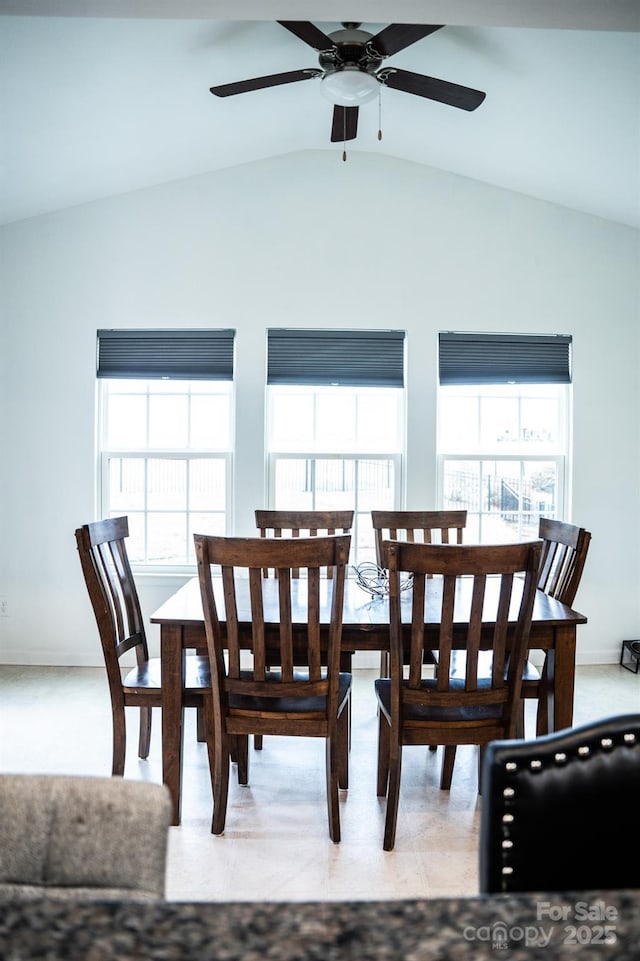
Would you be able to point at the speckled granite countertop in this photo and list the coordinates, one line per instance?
(518, 927)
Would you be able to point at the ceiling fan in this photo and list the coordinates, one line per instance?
(351, 71)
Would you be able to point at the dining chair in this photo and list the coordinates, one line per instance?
(309, 701)
(304, 523)
(564, 552)
(82, 838)
(558, 811)
(296, 523)
(116, 607)
(427, 527)
(415, 709)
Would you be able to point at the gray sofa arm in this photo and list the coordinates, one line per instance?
(105, 835)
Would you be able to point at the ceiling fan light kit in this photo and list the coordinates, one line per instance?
(350, 67)
(349, 86)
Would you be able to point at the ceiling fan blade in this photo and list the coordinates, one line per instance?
(345, 124)
(397, 36)
(258, 83)
(466, 98)
(308, 33)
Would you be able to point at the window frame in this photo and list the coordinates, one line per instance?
(352, 453)
(105, 455)
(560, 455)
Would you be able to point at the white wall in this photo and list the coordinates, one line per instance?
(303, 240)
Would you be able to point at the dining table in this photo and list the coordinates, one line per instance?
(365, 627)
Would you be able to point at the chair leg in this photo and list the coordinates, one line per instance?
(544, 716)
(346, 663)
(384, 740)
(242, 757)
(343, 745)
(220, 786)
(200, 729)
(119, 729)
(393, 796)
(333, 804)
(520, 719)
(144, 740)
(448, 761)
(257, 742)
(219, 751)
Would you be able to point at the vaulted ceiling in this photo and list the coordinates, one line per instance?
(99, 98)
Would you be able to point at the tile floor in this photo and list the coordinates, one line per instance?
(276, 844)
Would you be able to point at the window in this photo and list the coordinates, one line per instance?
(335, 416)
(503, 446)
(165, 441)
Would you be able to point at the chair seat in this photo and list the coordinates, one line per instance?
(197, 674)
(424, 712)
(289, 705)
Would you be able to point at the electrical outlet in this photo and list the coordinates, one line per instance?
(3, 607)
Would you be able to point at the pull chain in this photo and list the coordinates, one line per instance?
(380, 112)
(344, 133)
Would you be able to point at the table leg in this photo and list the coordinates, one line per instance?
(562, 667)
(172, 656)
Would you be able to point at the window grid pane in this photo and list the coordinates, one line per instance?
(504, 498)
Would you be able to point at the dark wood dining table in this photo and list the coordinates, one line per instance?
(365, 628)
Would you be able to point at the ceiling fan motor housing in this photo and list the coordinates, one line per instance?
(350, 49)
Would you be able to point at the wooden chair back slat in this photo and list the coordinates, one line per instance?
(313, 639)
(257, 618)
(474, 634)
(417, 631)
(286, 632)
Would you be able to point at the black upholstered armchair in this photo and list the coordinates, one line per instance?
(560, 812)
